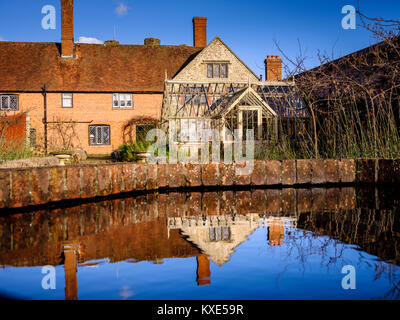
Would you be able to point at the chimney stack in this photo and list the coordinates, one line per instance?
(273, 68)
(67, 28)
(203, 270)
(200, 32)
(152, 42)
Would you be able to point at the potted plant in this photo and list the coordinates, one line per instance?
(134, 152)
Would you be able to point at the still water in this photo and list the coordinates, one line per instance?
(256, 244)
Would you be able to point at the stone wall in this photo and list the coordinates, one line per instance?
(196, 70)
(35, 186)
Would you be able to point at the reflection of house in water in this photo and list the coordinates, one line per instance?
(143, 229)
(218, 236)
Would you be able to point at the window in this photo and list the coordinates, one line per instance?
(9, 102)
(191, 130)
(142, 130)
(122, 100)
(250, 119)
(195, 95)
(67, 100)
(32, 137)
(209, 70)
(219, 233)
(217, 70)
(223, 71)
(99, 135)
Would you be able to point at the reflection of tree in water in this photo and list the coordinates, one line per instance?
(303, 245)
(375, 232)
(393, 274)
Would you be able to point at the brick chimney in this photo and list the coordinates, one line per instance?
(67, 28)
(203, 270)
(273, 68)
(200, 32)
(152, 42)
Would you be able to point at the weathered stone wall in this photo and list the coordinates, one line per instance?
(196, 70)
(34, 186)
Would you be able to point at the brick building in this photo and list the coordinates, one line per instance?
(93, 91)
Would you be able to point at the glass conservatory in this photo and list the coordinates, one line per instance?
(269, 108)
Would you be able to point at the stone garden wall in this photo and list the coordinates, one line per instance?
(37, 186)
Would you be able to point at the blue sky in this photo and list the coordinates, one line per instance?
(247, 27)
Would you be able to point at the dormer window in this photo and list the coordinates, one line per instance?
(217, 70)
(122, 101)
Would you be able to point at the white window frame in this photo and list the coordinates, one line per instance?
(240, 119)
(123, 99)
(67, 96)
(240, 122)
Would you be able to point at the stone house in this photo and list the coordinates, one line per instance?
(93, 96)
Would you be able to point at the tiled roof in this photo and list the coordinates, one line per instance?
(96, 68)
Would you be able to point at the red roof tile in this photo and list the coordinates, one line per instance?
(96, 68)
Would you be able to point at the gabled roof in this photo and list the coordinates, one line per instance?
(372, 70)
(96, 68)
(248, 95)
(284, 99)
(193, 99)
(204, 52)
(220, 252)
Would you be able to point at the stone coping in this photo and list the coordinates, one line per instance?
(38, 186)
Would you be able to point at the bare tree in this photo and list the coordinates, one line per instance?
(354, 100)
(64, 136)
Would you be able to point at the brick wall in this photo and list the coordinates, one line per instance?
(200, 32)
(25, 187)
(273, 68)
(87, 107)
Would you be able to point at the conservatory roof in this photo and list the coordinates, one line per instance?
(194, 99)
(245, 96)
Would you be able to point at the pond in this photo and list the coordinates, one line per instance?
(336, 243)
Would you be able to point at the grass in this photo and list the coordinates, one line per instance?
(351, 131)
(17, 152)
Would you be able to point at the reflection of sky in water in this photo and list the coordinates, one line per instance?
(303, 267)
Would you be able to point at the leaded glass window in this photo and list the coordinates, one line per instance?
(99, 135)
(9, 102)
(217, 70)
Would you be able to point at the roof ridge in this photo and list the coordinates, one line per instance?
(26, 42)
